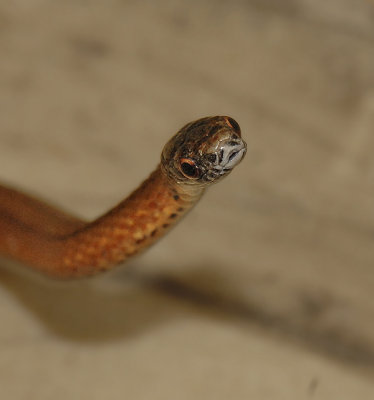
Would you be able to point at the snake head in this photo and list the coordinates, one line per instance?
(204, 151)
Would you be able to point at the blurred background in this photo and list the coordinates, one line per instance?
(265, 291)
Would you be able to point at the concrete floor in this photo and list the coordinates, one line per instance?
(266, 290)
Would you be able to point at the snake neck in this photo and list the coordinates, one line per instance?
(134, 224)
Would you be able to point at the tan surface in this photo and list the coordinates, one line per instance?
(266, 290)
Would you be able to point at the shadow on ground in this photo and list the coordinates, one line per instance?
(88, 311)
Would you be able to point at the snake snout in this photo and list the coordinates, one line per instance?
(231, 153)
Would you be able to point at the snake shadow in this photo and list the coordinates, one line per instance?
(108, 307)
(129, 302)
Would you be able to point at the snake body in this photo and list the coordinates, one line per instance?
(60, 245)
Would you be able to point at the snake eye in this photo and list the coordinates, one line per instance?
(234, 125)
(189, 168)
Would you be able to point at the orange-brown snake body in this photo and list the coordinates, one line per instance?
(60, 245)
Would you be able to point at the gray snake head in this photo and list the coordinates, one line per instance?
(204, 151)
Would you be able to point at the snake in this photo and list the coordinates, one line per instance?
(60, 245)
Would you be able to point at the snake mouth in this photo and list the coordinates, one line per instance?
(236, 156)
(230, 154)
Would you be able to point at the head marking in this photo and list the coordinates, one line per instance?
(204, 151)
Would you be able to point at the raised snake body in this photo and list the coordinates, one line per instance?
(53, 242)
